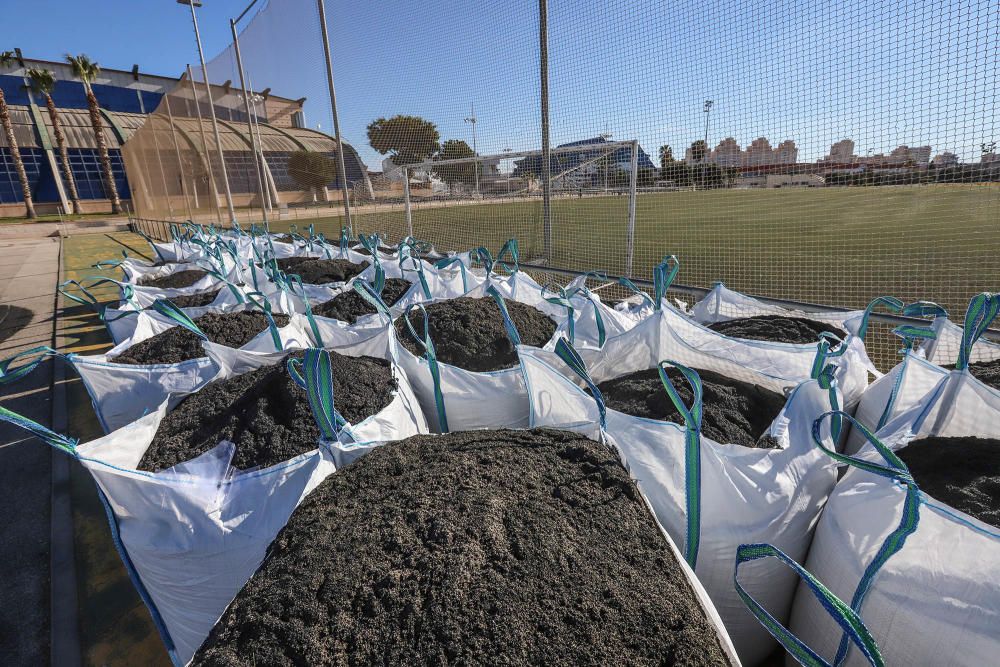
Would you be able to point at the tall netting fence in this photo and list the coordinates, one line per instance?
(821, 152)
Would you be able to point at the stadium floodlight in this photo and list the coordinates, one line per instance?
(211, 106)
(472, 119)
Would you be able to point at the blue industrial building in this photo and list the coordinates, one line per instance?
(127, 98)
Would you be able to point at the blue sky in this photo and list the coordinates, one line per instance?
(880, 72)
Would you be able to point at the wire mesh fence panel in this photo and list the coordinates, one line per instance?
(821, 152)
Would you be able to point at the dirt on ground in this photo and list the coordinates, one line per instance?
(316, 271)
(175, 280)
(470, 333)
(384, 249)
(265, 414)
(348, 306)
(178, 344)
(474, 548)
(987, 372)
(195, 300)
(777, 329)
(733, 412)
(962, 472)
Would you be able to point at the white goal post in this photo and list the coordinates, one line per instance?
(603, 150)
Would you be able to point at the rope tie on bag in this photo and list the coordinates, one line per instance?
(692, 453)
(891, 303)
(663, 276)
(849, 621)
(560, 298)
(569, 355)
(36, 354)
(447, 262)
(430, 354)
(91, 301)
(982, 310)
(405, 259)
(315, 374)
(169, 310)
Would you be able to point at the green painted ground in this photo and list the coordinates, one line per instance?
(115, 626)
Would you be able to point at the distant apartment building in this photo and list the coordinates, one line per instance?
(728, 153)
(842, 151)
(946, 159)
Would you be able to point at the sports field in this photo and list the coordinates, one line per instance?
(840, 246)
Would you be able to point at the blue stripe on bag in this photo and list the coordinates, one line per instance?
(560, 298)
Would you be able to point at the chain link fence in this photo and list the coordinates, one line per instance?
(819, 152)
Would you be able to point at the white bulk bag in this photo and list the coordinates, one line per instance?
(722, 304)
(911, 380)
(923, 576)
(710, 497)
(122, 393)
(455, 399)
(191, 536)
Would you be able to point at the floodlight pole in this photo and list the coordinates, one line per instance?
(204, 145)
(211, 107)
(246, 104)
(180, 161)
(543, 49)
(336, 118)
(633, 181)
(472, 119)
(704, 157)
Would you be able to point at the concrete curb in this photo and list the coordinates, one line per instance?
(64, 645)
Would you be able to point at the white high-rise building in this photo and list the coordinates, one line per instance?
(786, 152)
(842, 152)
(759, 152)
(728, 153)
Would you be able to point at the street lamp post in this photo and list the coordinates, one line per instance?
(511, 173)
(472, 119)
(253, 140)
(704, 157)
(211, 106)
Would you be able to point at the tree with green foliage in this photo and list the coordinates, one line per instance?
(87, 70)
(43, 83)
(454, 174)
(407, 139)
(312, 171)
(699, 150)
(6, 58)
(666, 155)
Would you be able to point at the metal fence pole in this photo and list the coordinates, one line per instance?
(204, 144)
(246, 104)
(336, 117)
(211, 109)
(633, 182)
(180, 161)
(406, 201)
(543, 49)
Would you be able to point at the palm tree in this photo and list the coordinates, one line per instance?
(6, 58)
(43, 82)
(87, 70)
